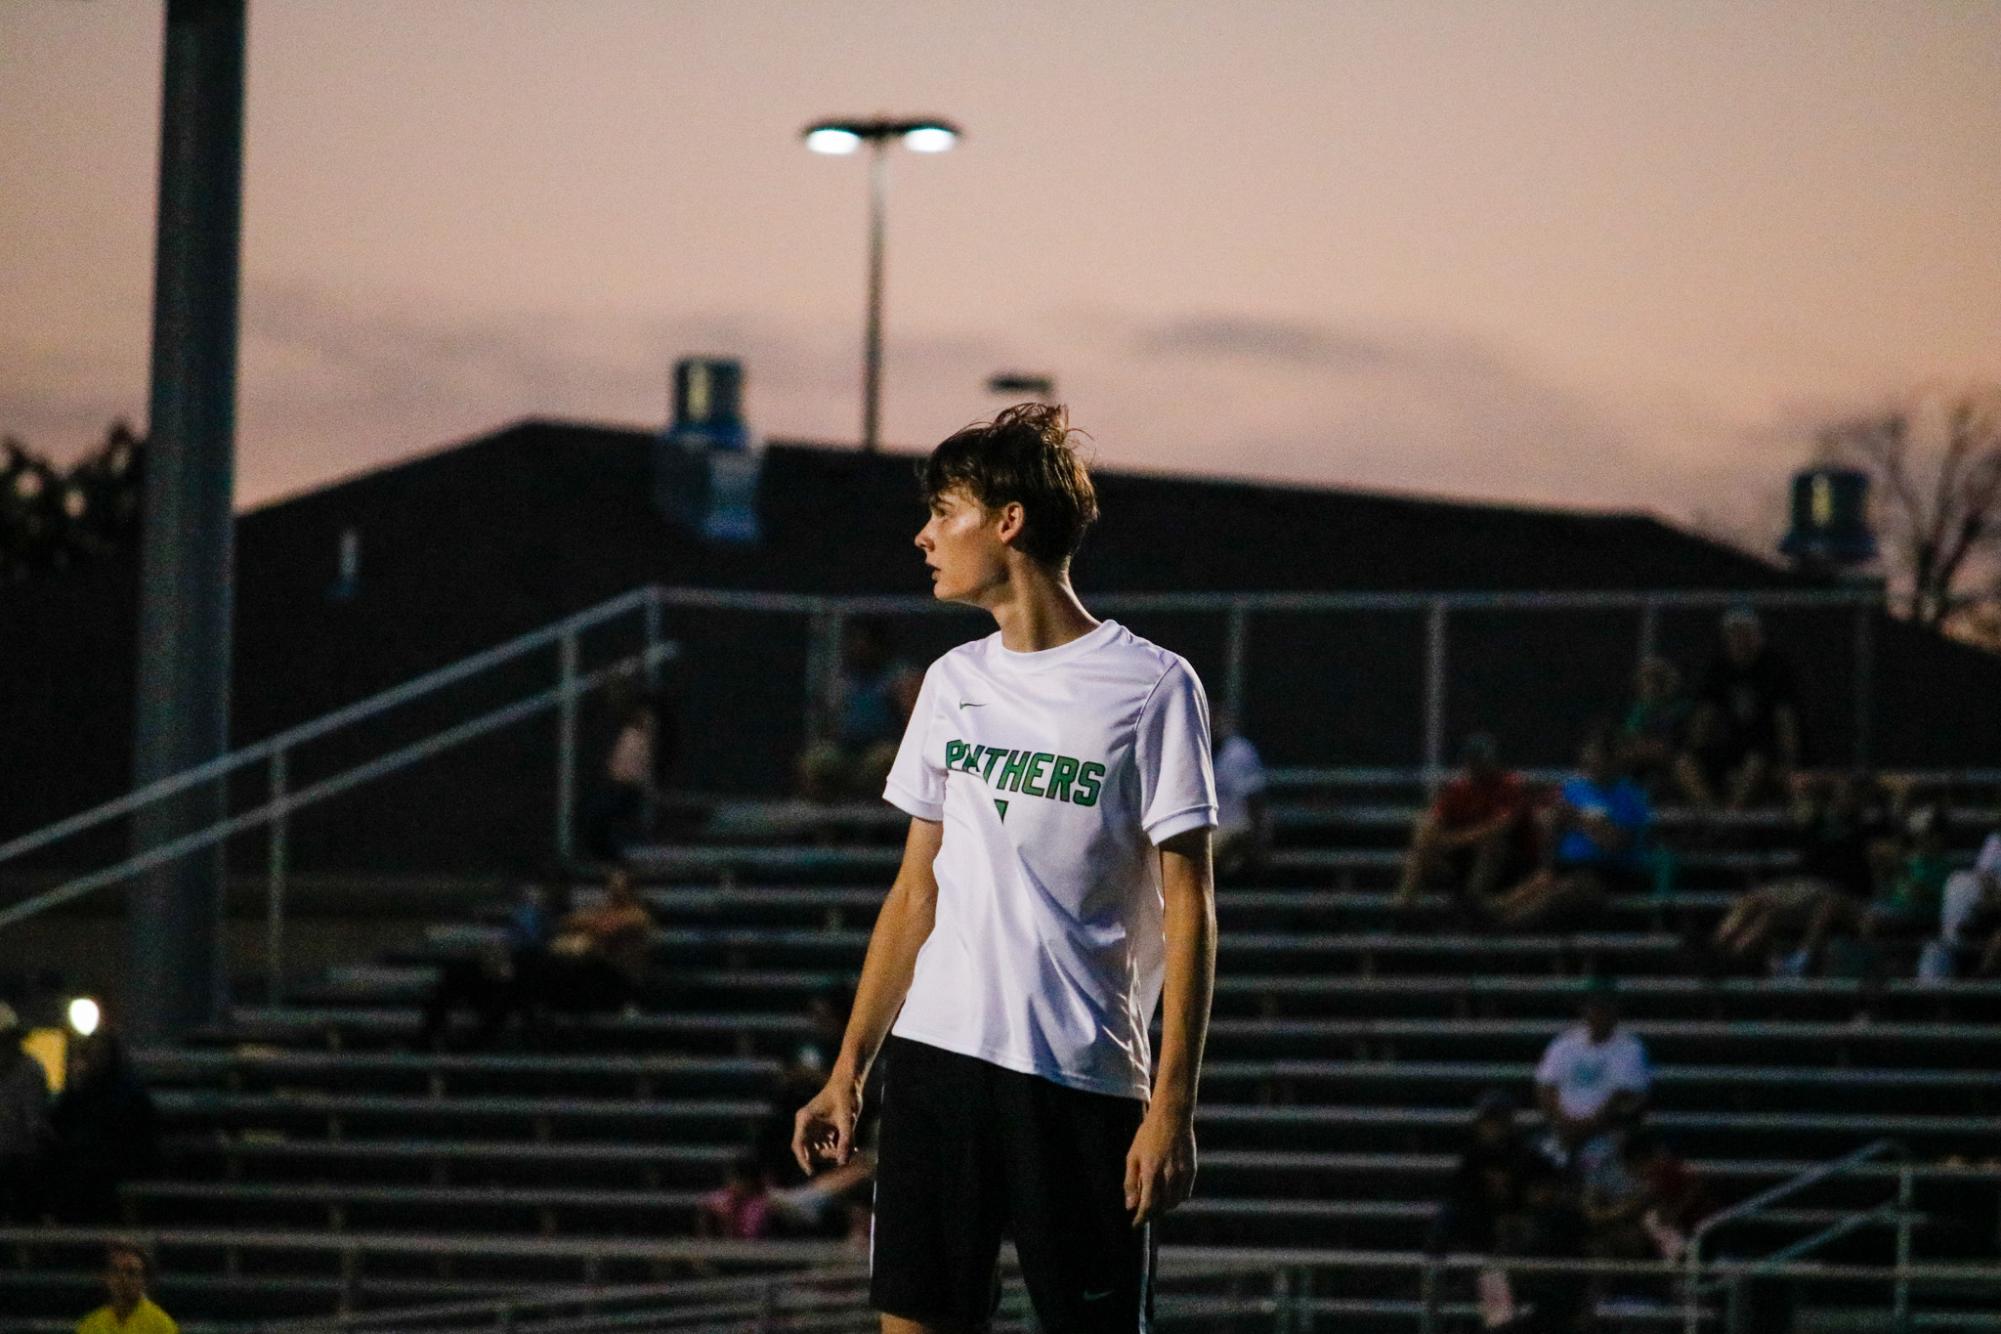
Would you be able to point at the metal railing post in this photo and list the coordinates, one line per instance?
(1650, 630)
(1865, 684)
(1236, 646)
(274, 898)
(1900, 1301)
(1691, 1295)
(651, 612)
(1427, 1296)
(823, 665)
(566, 750)
(350, 1278)
(1281, 1300)
(1434, 695)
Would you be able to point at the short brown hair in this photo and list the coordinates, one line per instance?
(1024, 455)
(115, 1249)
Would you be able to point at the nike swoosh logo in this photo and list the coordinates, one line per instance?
(972, 704)
(1099, 1296)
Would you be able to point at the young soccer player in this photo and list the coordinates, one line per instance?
(1055, 876)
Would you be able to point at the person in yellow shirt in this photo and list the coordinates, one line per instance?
(127, 1271)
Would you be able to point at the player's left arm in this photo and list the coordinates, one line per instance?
(1160, 1166)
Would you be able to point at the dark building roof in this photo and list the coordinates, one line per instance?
(469, 546)
(838, 521)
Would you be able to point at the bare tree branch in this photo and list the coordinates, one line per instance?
(1937, 462)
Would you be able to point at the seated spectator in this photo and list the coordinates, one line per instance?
(1479, 835)
(104, 1133)
(862, 719)
(622, 811)
(1911, 904)
(24, 1123)
(1744, 737)
(1843, 835)
(1655, 731)
(1591, 1083)
(740, 1209)
(1596, 831)
(1488, 1183)
(1649, 1209)
(1549, 1225)
(1970, 923)
(1243, 830)
(128, 1272)
(596, 960)
(491, 983)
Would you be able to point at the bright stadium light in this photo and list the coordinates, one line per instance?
(929, 139)
(832, 140)
(84, 1016)
(928, 134)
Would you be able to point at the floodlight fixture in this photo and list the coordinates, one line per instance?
(85, 1016)
(840, 138)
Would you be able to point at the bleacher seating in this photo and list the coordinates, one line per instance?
(1347, 1047)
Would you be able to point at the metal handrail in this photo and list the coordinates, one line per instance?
(346, 780)
(1692, 1259)
(828, 614)
(347, 715)
(653, 598)
(1293, 1299)
(275, 751)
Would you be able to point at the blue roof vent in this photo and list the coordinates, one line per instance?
(706, 464)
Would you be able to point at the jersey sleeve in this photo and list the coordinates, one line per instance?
(1176, 776)
(916, 783)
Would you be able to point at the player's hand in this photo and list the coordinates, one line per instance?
(824, 1129)
(1160, 1166)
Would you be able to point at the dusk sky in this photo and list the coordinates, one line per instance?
(1588, 253)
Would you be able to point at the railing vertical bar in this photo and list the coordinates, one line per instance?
(566, 750)
(1434, 695)
(1901, 1289)
(651, 612)
(1865, 684)
(274, 895)
(1237, 646)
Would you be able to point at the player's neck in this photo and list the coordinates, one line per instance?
(1040, 611)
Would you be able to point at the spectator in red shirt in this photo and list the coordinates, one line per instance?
(740, 1210)
(1479, 834)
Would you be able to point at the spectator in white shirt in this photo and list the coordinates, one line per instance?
(1243, 832)
(1971, 919)
(1592, 1082)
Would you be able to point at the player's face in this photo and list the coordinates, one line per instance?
(962, 546)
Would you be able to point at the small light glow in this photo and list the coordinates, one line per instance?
(929, 139)
(84, 1016)
(827, 139)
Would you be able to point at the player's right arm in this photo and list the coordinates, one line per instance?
(824, 1129)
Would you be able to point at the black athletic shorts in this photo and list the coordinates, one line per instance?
(969, 1151)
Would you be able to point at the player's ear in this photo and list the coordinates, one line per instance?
(1013, 519)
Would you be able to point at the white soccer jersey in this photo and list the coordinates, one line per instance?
(1055, 775)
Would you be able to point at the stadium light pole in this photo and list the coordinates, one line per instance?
(178, 977)
(838, 138)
